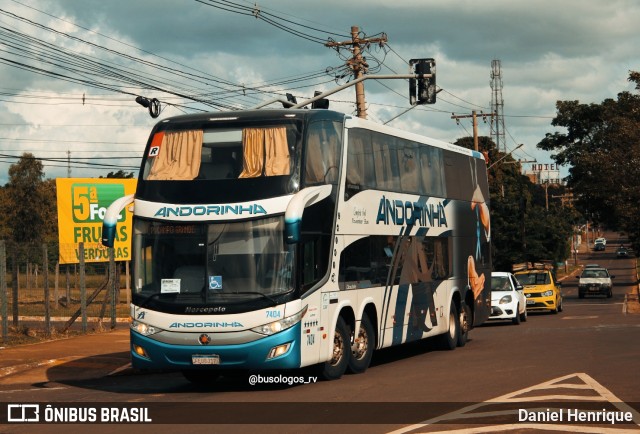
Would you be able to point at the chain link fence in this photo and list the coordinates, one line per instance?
(41, 299)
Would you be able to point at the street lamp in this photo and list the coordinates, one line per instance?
(505, 155)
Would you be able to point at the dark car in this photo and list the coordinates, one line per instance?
(622, 252)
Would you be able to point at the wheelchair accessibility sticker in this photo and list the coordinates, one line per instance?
(215, 282)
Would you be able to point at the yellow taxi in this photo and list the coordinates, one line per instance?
(542, 291)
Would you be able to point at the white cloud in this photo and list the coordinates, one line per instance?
(549, 51)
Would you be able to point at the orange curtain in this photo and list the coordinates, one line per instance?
(179, 157)
(275, 142)
(253, 152)
(258, 142)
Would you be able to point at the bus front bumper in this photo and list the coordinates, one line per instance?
(250, 356)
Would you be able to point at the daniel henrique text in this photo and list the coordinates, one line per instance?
(575, 416)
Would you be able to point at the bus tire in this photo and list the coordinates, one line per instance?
(449, 340)
(334, 369)
(362, 348)
(465, 325)
(201, 377)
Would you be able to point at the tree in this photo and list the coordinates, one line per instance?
(30, 202)
(120, 174)
(602, 146)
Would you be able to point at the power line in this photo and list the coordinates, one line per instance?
(66, 161)
(279, 22)
(69, 141)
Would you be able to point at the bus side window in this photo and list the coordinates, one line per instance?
(321, 159)
(437, 252)
(409, 166)
(432, 182)
(356, 266)
(314, 259)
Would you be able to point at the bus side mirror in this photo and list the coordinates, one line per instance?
(295, 209)
(110, 220)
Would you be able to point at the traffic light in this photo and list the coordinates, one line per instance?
(422, 90)
(322, 103)
(152, 104)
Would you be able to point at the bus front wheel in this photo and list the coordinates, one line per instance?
(337, 365)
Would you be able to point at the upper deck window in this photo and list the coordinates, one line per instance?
(220, 153)
(383, 162)
(265, 151)
(176, 155)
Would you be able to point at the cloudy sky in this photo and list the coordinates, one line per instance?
(71, 69)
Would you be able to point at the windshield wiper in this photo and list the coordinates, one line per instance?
(271, 299)
(148, 298)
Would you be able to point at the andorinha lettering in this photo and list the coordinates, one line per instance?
(206, 210)
(190, 325)
(93, 234)
(411, 213)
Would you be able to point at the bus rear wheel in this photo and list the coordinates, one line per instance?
(362, 347)
(337, 366)
(449, 340)
(465, 324)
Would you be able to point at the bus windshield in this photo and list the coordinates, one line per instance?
(211, 152)
(212, 263)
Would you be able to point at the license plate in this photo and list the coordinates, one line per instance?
(531, 302)
(210, 359)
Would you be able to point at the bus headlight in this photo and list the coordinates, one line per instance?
(144, 329)
(280, 325)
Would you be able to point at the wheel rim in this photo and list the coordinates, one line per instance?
(464, 322)
(338, 345)
(361, 344)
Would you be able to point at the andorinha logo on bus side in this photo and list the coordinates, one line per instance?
(400, 212)
(89, 202)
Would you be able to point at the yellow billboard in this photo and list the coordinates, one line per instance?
(82, 203)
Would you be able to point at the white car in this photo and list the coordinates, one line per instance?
(600, 240)
(595, 281)
(507, 298)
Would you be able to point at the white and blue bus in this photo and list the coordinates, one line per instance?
(284, 238)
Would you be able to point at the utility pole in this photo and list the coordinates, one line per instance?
(358, 64)
(474, 116)
(475, 125)
(564, 198)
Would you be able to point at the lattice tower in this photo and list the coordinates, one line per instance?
(497, 106)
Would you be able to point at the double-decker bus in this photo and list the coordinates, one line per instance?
(284, 238)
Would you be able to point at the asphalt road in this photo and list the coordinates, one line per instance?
(586, 357)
